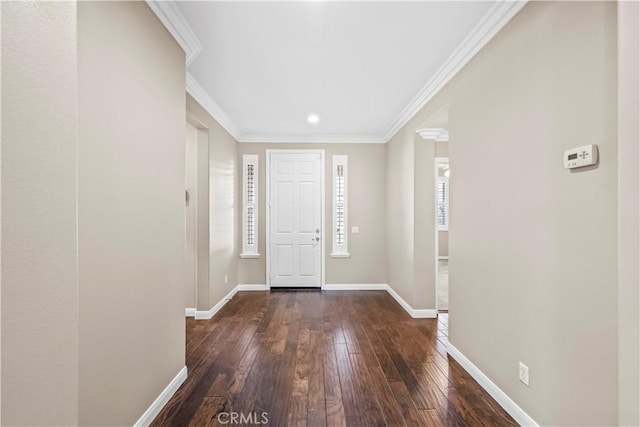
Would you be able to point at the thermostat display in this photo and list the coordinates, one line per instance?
(579, 157)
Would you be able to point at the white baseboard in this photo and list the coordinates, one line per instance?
(356, 287)
(416, 314)
(253, 287)
(157, 405)
(206, 315)
(190, 312)
(424, 313)
(500, 396)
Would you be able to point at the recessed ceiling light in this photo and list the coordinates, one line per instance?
(313, 118)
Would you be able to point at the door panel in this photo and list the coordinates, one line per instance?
(285, 207)
(307, 254)
(284, 255)
(295, 215)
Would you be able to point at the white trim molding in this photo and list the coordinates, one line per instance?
(206, 315)
(190, 312)
(170, 16)
(199, 94)
(427, 313)
(261, 287)
(500, 396)
(356, 287)
(415, 313)
(490, 24)
(312, 139)
(152, 412)
(340, 255)
(434, 134)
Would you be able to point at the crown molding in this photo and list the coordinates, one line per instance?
(434, 134)
(312, 139)
(202, 97)
(170, 16)
(490, 24)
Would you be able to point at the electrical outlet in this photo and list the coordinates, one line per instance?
(226, 279)
(524, 373)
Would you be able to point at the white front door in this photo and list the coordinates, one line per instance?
(295, 216)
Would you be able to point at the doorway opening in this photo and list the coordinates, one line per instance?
(196, 202)
(191, 219)
(442, 231)
(431, 179)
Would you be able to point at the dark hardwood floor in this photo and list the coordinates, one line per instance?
(324, 359)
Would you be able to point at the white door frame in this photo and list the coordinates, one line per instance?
(268, 209)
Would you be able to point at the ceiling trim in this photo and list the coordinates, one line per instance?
(434, 134)
(317, 139)
(170, 16)
(202, 97)
(490, 24)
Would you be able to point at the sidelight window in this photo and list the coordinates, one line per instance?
(340, 204)
(250, 206)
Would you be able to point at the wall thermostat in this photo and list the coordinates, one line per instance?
(579, 157)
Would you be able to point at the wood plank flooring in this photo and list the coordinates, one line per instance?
(312, 358)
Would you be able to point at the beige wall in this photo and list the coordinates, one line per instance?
(191, 227)
(400, 213)
(442, 148)
(131, 177)
(223, 209)
(203, 214)
(443, 243)
(424, 228)
(532, 265)
(39, 279)
(411, 220)
(367, 174)
(629, 213)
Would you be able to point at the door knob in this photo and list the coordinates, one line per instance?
(317, 239)
(317, 230)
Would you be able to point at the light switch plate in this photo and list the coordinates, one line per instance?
(355, 229)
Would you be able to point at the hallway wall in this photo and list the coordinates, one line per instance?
(629, 212)
(532, 246)
(223, 209)
(367, 174)
(92, 212)
(191, 210)
(39, 250)
(131, 176)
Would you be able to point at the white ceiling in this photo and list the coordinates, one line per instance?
(364, 67)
